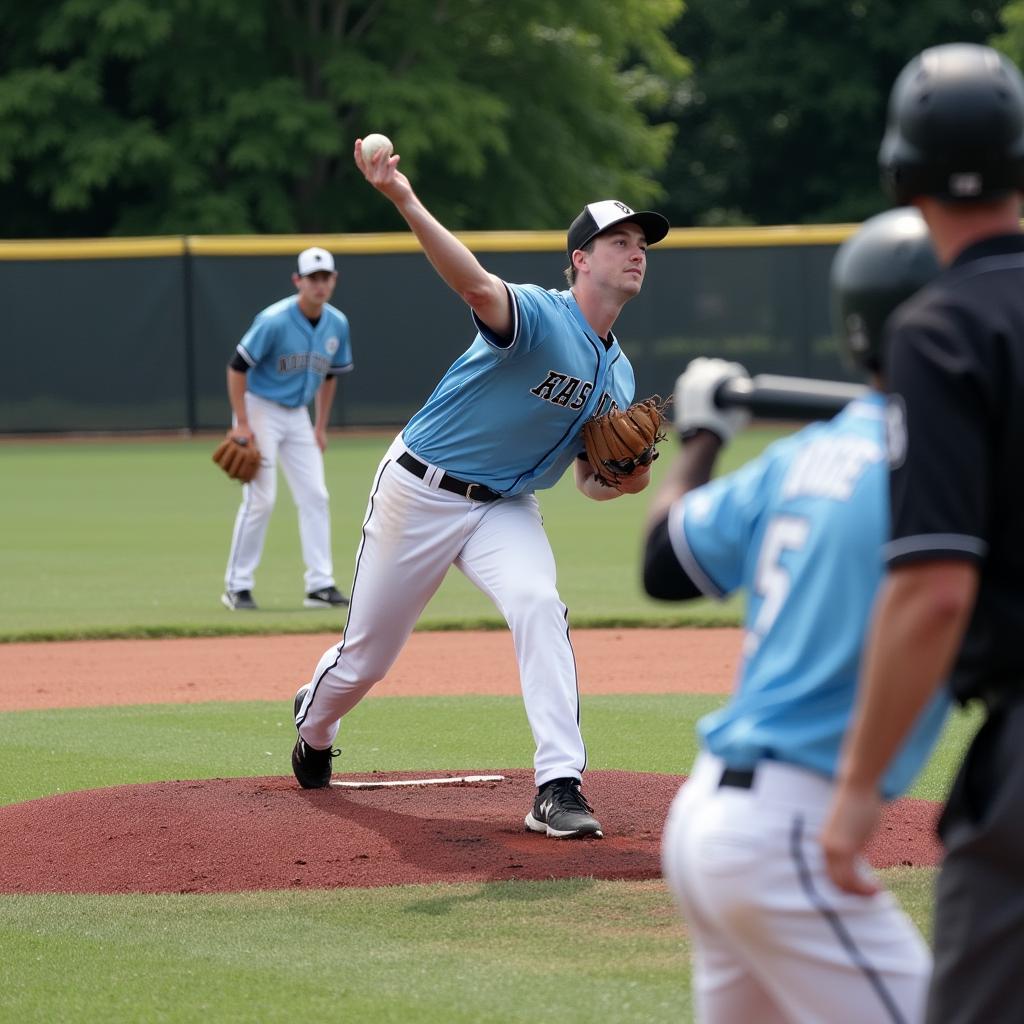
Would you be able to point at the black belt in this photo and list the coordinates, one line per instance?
(738, 778)
(475, 492)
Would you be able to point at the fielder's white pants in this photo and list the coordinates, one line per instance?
(283, 436)
(411, 535)
(774, 940)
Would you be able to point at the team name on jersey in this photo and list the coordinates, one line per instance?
(563, 389)
(299, 362)
(830, 468)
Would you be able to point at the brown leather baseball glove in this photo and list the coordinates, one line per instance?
(239, 458)
(620, 441)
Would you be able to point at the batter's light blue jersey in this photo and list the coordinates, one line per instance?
(801, 530)
(289, 357)
(510, 415)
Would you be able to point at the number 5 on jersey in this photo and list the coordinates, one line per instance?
(772, 580)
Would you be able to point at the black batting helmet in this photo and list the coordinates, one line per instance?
(955, 128)
(888, 259)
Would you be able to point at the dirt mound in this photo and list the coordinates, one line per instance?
(229, 835)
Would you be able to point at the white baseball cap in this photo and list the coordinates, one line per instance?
(598, 217)
(314, 259)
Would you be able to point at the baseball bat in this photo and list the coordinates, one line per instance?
(772, 396)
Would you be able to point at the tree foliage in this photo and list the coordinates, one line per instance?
(207, 116)
(204, 116)
(781, 119)
(1011, 40)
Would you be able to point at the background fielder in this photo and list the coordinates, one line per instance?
(801, 530)
(457, 485)
(290, 356)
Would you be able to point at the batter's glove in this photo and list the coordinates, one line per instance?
(238, 457)
(694, 399)
(622, 440)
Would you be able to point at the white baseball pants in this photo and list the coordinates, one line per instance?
(284, 436)
(412, 534)
(774, 940)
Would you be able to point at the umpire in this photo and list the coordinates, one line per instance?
(952, 603)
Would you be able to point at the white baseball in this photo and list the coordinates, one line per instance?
(373, 142)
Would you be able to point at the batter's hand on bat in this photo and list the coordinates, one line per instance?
(694, 399)
(382, 172)
(853, 818)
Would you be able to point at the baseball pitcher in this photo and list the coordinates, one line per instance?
(458, 485)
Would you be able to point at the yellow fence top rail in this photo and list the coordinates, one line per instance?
(90, 248)
(396, 242)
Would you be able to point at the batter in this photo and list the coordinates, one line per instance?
(457, 486)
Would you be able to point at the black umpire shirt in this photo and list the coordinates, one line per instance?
(956, 447)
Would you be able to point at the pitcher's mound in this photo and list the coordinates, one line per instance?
(228, 835)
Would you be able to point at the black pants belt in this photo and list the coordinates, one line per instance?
(738, 778)
(475, 492)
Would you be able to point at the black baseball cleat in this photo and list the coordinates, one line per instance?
(560, 810)
(238, 600)
(326, 597)
(312, 767)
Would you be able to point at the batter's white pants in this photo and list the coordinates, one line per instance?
(284, 436)
(774, 940)
(412, 534)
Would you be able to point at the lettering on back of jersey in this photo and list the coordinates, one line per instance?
(563, 389)
(830, 468)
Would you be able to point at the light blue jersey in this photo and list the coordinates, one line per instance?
(289, 357)
(801, 530)
(510, 415)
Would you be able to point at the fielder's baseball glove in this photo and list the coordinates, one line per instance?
(238, 458)
(620, 441)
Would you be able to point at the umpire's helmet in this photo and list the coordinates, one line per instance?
(888, 259)
(956, 126)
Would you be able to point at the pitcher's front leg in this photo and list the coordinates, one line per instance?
(509, 558)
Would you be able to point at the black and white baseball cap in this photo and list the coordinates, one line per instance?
(598, 217)
(314, 259)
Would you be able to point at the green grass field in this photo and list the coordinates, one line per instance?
(60, 751)
(129, 539)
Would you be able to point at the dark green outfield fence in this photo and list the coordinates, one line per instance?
(134, 334)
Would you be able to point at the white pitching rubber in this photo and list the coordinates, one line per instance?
(447, 781)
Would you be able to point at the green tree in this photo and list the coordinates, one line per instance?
(168, 116)
(1011, 41)
(781, 119)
